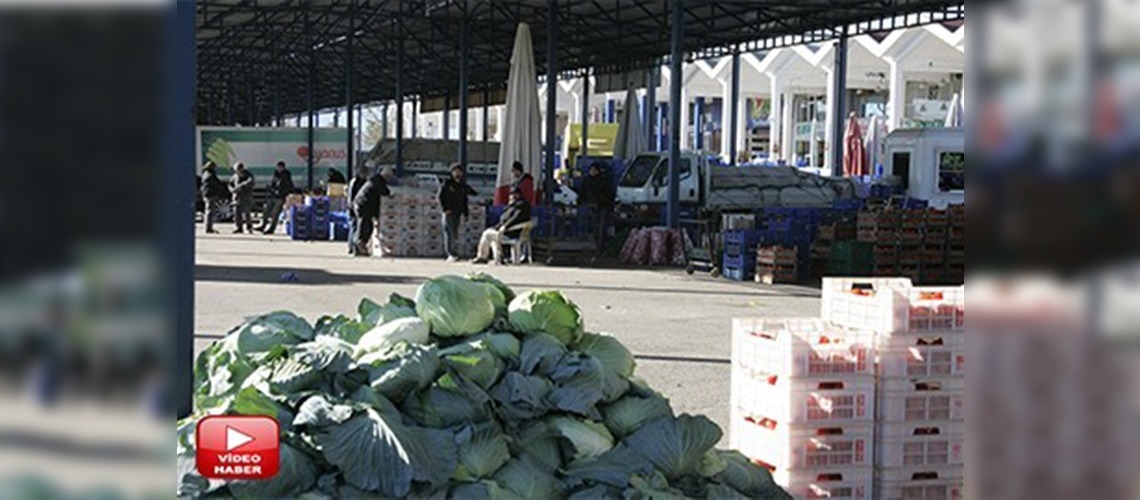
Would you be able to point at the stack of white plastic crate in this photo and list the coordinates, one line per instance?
(411, 225)
(803, 404)
(920, 415)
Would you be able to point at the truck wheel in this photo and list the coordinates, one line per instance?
(714, 272)
(689, 269)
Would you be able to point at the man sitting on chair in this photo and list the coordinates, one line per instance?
(491, 244)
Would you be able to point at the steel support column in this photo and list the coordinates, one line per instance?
(734, 109)
(486, 113)
(551, 97)
(464, 55)
(651, 109)
(445, 123)
(400, 102)
(415, 117)
(350, 102)
(838, 105)
(699, 123)
(674, 191)
(309, 97)
(584, 148)
(178, 229)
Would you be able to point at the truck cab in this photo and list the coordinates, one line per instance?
(646, 179)
(930, 163)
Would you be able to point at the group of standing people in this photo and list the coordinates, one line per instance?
(366, 188)
(238, 192)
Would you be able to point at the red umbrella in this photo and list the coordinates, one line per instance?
(854, 154)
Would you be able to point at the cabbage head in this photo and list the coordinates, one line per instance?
(539, 311)
(457, 307)
(411, 330)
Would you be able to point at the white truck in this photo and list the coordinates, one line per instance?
(930, 162)
(645, 183)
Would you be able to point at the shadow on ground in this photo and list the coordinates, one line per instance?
(282, 275)
(758, 292)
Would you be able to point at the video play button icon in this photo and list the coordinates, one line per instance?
(236, 439)
(238, 447)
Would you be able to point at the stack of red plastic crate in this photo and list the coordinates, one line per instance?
(803, 404)
(919, 424)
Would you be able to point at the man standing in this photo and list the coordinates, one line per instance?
(354, 187)
(241, 187)
(491, 243)
(213, 194)
(453, 201)
(279, 188)
(598, 191)
(366, 205)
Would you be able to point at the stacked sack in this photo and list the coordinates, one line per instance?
(803, 396)
(654, 246)
(411, 225)
(921, 384)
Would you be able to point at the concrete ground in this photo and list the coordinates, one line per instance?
(678, 326)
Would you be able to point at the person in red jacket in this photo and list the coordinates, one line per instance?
(523, 182)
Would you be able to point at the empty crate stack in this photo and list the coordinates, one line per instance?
(739, 263)
(921, 356)
(777, 264)
(926, 245)
(803, 398)
(411, 226)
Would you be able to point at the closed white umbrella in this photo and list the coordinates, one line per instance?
(954, 114)
(630, 136)
(522, 139)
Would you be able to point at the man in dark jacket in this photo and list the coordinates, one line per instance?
(354, 186)
(453, 201)
(366, 205)
(599, 195)
(279, 188)
(491, 243)
(241, 186)
(214, 194)
(336, 177)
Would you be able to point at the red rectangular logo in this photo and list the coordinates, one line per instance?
(238, 447)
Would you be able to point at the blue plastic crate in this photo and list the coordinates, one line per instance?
(848, 204)
(338, 232)
(746, 262)
(738, 274)
(735, 249)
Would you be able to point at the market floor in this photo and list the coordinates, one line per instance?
(678, 326)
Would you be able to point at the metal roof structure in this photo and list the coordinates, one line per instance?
(260, 59)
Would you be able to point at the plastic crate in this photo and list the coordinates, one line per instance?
(922, 355)
(800, 447)
(920, 444)
(835, 401)
(338, 231)
(921, 400)
(892, 305)
(833, 483)
(801, 347)
(920, 473)
(744, 237)
(737, 273)
(739, 262)
(928, 489)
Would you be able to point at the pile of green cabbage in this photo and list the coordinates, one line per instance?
(466, 392)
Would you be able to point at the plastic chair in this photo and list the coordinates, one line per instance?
(521, 243)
